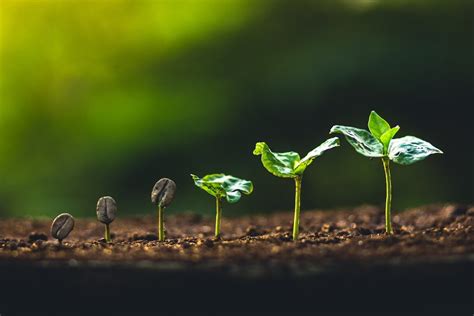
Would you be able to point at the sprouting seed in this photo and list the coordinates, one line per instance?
(106, 211)
(62, 225)
(162, 195)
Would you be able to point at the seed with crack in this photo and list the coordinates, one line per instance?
(163, 192)
(62, 225)
(106, 209)
(162, 195)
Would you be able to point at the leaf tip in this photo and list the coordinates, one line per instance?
(334, 129)
(259, 148)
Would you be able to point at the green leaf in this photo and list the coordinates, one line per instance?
(377, 125)
(289, 164)
(221, 185)
(409, 149)
(387, 137)
(279, 164)
(318, 151)
(362, 141)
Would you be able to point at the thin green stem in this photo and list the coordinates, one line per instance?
(388, 197)
(217, 231)
(161, 225)
(296, 219)
(107, 233)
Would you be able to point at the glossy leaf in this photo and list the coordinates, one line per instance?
(377, 125)
(362, 141)
(224, 186)
(409, 149)
(289, 164)
(318, 151)
(386, 137)
(279, 164)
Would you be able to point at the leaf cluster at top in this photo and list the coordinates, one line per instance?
(379, 142)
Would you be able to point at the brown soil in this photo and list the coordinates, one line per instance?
(253, 250)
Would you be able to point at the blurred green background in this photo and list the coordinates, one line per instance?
(105, 97)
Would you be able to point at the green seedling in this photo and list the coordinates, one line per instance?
(222, 187)
(379, 143)
(106, 211)
(162, 195)
(290, 165)
(62, 225)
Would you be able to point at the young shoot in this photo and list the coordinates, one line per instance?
(162, 195)
(379, 143)
(222, 187)
(290, 165)
(106, 211)
(62, 225)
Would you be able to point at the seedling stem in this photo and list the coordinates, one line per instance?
(290, 165)
(388, 197)
(296, 219)
(107, 233)
(218, 217)
(161, 228)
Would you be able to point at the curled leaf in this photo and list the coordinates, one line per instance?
(362, 141)
(318, 151)
(224, 186)
(409, 149)
(289, 164)
(279, 164)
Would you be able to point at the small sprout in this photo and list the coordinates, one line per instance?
(290, 165)
(379, 143)
(106, 211)
(223, 186)
(162, 195)
(62, 225)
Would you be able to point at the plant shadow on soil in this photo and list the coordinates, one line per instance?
(342, 264)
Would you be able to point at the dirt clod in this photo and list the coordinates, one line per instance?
(37, 236)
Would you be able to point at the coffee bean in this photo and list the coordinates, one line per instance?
(163, 192)
(106, 209)
(62, 225)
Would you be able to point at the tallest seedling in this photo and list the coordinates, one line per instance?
(380, 143)
(290, 165)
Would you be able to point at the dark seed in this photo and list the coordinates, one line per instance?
(37, 236)
(106, 209)
(62, 225)
(163, 192)
(254, 231)
(150, 237)
(363, 231)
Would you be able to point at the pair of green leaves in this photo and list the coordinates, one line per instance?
(379, 142)
(289, 164)
(224, 186)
